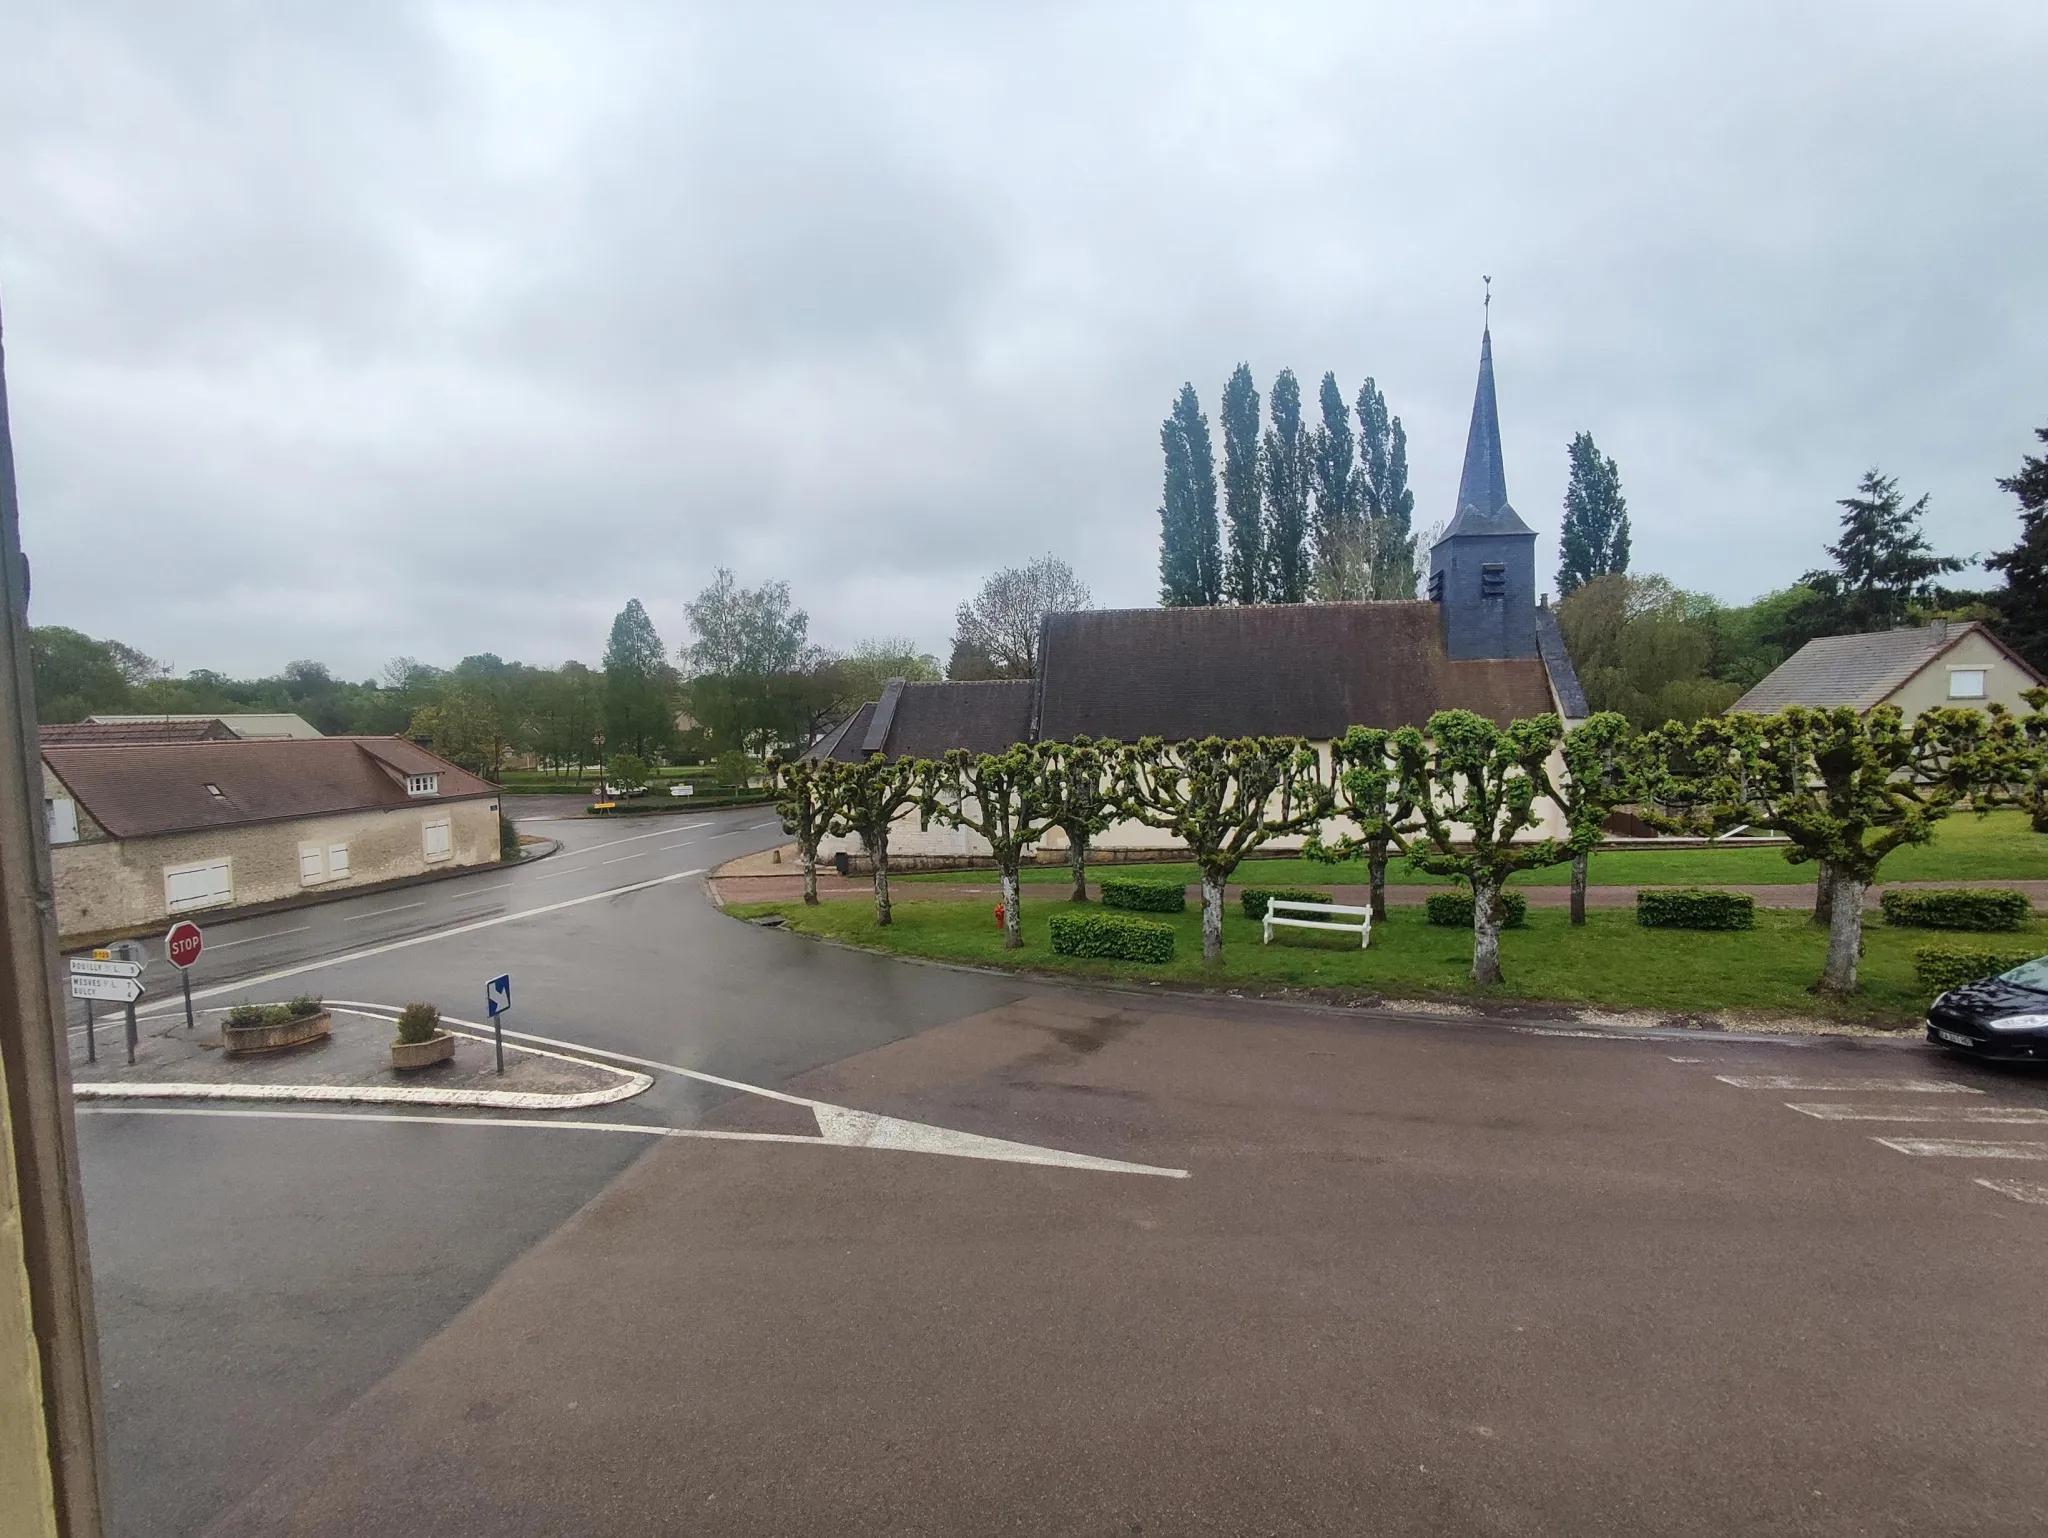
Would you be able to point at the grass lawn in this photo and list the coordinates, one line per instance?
(2000, 847)
(1612, 961)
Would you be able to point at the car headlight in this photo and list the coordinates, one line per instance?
(2020, 1023)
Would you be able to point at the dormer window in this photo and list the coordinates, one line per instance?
(1493, 580)
(423, 784)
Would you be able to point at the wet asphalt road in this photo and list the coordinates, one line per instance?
(1423, 1276)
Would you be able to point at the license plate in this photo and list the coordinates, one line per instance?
(1952, 1036)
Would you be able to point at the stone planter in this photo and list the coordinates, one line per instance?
(423, 1054)
(235, 1040)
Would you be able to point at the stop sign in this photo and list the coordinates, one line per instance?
(182, 943)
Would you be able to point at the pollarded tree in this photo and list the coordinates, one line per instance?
(807, 801)
(1845, 789)
(1477, 788)
(1366, 790)
(1598, 778)
(872, 794)
(1005, 797)
(1082, 776)
(1223, 800)
(2020, 744)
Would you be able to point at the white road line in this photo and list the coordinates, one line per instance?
(610, 843)
(550, 1125)
(1892, 1086)
(378, 913)
(429, 937)
(2030, 1191)
(1688, 1060)
(1962, 1148)
(623, 858)
(275, 934)
(665, 848)
(730, 833)
(757, 827)
(1850, 1110)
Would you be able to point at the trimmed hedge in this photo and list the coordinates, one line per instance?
(1695, 908)
(1111, 935)
(1255, 898)
(1453, 910)
(1144, 896)
(1942, 967)
(1956, 907)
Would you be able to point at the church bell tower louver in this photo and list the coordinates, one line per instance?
(1482, 571)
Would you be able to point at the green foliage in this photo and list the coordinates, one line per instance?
(1284, 473)
(1987, 909)
(1143, 896)
(1695, 908)
(1389, 505)
(1190, 557)
(1644, 649)
(1008, 798)
(639, 685)
(418, 1023)
(1593, 541)
(1111, 935)
(1942, 967)
(2023, 604)
(1883, 568)
(75, 675)
(1254, 898)
(626, 771)
(1342, 570)
(508, 837)
(2020, 753)
(247, 1016)
(1080, 780)
(1453, 910)
(303, 1005)
(1243, 555)
(733, 769)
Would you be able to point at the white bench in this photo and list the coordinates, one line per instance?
(1361, 918)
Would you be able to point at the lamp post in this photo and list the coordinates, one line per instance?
(597, 742)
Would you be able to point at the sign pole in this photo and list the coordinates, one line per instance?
(498, 1030)
(92, 1049)
(186, 979)
(131, 1031)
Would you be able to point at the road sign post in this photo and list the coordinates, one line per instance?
(498, 1000)
(92, 1048)
(102, 976)
(182, 945)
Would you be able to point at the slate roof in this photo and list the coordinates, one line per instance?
(140, 790)
(102, 733)
(1483, 487)
(1856, 670)
(1557, 662)
(924, 720)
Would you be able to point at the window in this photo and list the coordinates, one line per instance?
(205, 884)
(1493, 580)
(337, 862)
(422, 784)
(437, 839)
(215, 791)
(60, 816)
(1966, 683)
(312, 868)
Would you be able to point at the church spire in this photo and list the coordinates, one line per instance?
(1483, 488)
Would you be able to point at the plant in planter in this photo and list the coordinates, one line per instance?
(267, 1027)
(421, 1041)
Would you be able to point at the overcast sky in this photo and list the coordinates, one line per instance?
(370, 328)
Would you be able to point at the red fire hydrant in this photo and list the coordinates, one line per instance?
(999, 915)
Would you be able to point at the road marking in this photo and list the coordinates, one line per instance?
(612, 843)
(1688, 1060)
(731, 833)
(665, 848)
(2030, 1191)
(758, 826)
(1962, 1148)
(378, 913)
(1895, 1086)
(275, 934)
(429, 937)
(1849, 1110)
(551, 1124)
(623, 858)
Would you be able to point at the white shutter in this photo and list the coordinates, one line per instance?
(61, 815)
(205, 885)
(337, 862)
(311, 868)
(437, 840)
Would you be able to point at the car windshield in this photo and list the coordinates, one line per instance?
(2030, 974)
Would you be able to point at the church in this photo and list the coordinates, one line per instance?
(1480, 640)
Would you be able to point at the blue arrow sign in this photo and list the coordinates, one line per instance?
(498, 995)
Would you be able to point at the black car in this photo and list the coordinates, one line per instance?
(2003, 1017)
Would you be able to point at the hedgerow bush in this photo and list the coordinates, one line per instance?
(1453, 910)
(1255, 898)
(1144, 896)
(1695, 908)
(1942, 967)
(1111, 935)
(418, 1023)
(1959, 907)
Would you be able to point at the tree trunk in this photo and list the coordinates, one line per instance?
(1376, 866)
(1486, 920)
(1845, 935)
(878, 852)
(1212, 917)
(809, 850)
(1077, 862)
(1824, 894)
(1013, 921)
(1579, 888)
(2041, 820)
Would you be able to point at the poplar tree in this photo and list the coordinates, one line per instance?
(1284, 465)
(637, 684)
(1594, 539)
(1343, 562)
(1190, 555)
(1244, 557)
(1386, 501)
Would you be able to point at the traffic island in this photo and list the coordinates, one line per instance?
(352, 1063)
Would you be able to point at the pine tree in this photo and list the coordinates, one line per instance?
(1594, 539)
(1883, 566)
(1284, 460)
(637, 684)
(1385, 499)
(1190, 558)
(1343, 565)
(1243, 559)
(2023, 606)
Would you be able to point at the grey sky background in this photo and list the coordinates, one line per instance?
(368, 329)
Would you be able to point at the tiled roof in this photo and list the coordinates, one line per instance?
(925, 720)
(1855, 670)
(139, 790)
(161, 729)
(271, 723)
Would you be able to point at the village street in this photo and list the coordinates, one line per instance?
(1362, 1271)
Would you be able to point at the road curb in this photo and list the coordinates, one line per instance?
(371, 1094)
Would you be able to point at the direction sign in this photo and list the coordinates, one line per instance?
(182, 944)
(498, 995)
(81, 967)
(121, 990)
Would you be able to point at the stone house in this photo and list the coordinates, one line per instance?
(1915, 668)
(141, 832)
